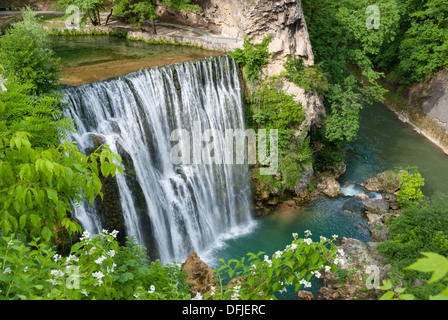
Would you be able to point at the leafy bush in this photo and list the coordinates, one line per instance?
(257, 278)
(309, 78)
(253, 56)
(411, 181)
(96, 269)
(422, 227)
(25, 54)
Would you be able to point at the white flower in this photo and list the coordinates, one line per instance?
(71, 258)
(323, 239)
(295, 235)
(335, 236)
(308, 241)
(57, 273)
(100, 260)
(266, 258)
(10, 243)
(305, 283)
(308, 233)
(114, 233)
(152, 289)
(212, 293)
(26, 269)
(136, 296)
(327, 268)
(111, 253)
(99, 276)
(197, 297)
(53, 281)
(85, 235)
(57, 257)
(7, 270)
(278, 254)
(109, 270)
(293, 246)
(341, 252)
(316, 274)
(84, 292)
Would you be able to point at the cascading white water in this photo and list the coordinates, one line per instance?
(190, 207)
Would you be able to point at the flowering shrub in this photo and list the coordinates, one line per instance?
(96, 269)
(261, 278)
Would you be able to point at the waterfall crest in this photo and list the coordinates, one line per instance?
(173, 209)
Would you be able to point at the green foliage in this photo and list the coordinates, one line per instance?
(134, 270)
(41, 116)
(91, 9)
(293, 163)
(422, 227)
(257, 278)
(95, 269)
(423, 49)
(309, 78)
(342, 124)
(410, 191)
(26, 55)
(274, 109)
(254, 57)
(435, 264)
(138, 11)
(37, 187)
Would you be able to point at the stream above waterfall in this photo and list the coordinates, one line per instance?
(86, 59)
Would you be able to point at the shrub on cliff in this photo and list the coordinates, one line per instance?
(254, 57)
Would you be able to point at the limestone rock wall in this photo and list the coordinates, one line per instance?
(283, 19)
(432, 97)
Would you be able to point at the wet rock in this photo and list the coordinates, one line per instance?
(353, 205)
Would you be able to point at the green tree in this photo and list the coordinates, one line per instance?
(92, 9)
(25, 54)
(342, 41)
(423, 50)
(138, 11)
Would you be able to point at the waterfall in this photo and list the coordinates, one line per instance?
(178, 209)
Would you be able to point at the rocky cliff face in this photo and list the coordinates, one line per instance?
(282, 19)
(432, 97)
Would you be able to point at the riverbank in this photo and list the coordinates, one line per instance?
(398, 98)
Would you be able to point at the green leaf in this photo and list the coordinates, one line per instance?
(22, 221)
(53, 195)
(387, 296)
(46, 233)
(434, 263)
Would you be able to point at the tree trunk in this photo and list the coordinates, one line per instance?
(110, 14)
(99, 17)
(154, 29)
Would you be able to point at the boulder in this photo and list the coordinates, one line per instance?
(329, 187)
(200, 275)
(305, 295)
(387, 181)
(376, 205)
